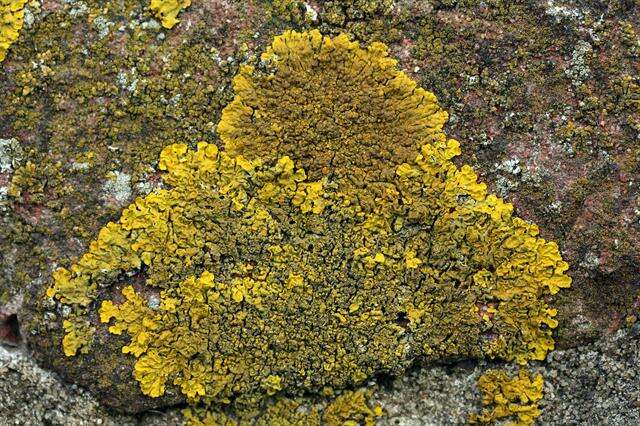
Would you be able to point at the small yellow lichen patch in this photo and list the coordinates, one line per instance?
(352, 409)
(411, 260)
(78, 335)
(509, 398)
(167, 10)
(11, 21)
(272, 384)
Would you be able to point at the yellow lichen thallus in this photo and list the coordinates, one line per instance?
(332, 239)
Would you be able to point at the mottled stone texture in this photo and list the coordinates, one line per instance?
(544, 97)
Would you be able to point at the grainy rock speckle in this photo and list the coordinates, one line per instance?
(596, 384)
(30, 395)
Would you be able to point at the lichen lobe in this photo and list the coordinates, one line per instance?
(11, 21)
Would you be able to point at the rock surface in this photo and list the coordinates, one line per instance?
(544, 97)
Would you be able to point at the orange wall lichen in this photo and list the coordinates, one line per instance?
(323, 246)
